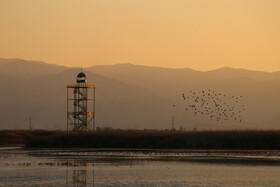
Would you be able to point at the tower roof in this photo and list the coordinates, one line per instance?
(81, 78)
(81, 74)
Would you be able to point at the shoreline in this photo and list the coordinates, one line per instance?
(239, 157)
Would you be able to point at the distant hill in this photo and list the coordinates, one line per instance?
(130, 96)
(44, 99)
(242, 73)
(261, 90)
(27, 69)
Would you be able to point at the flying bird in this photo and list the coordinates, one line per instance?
(219, 106)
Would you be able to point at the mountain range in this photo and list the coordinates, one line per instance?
(134, 96)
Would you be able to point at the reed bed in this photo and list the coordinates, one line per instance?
(145, 139)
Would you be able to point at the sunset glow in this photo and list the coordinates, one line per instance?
(198, 34)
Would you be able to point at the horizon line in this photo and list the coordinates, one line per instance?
(129, 63)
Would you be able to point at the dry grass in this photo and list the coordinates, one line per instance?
(249, 139)
(16, 137)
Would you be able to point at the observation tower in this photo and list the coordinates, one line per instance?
(80, 105)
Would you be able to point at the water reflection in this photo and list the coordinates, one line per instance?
(82, 172)
(127, 168)
(80, 175)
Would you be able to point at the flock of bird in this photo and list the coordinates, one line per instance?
(216, 105)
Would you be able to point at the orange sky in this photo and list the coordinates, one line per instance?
(198, 34)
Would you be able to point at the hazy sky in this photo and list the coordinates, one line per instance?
(199, 34)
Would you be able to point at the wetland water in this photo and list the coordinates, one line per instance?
(97, 167)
